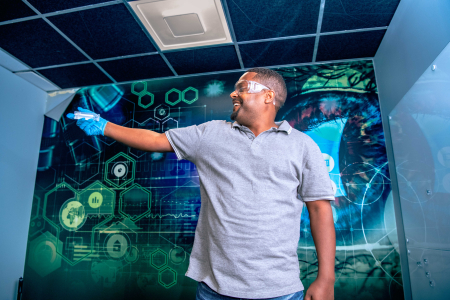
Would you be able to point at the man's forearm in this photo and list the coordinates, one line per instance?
(324, 235)
(145, 140)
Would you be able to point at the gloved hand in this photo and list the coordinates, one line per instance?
(90, 127)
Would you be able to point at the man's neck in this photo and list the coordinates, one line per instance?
(258, 127)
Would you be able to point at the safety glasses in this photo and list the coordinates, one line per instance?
(249, 87)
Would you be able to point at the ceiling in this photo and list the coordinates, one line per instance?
(77, 43)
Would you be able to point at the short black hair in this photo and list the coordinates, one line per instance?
(273, 80)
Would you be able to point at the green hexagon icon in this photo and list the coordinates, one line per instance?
(119, 170)
(43, 254)
(158, 259)
(139, 88)
(193, 99)
(135, 202)
(167, 277)
(98, 199)
(173, 102)
(162, 112)
(63, 191)
(148, 97)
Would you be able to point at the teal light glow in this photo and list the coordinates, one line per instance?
(214, 88)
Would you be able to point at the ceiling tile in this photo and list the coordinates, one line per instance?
(277, 52)
(57, 5)
(355, 14)
(104, 32)
(204, 60)
(14, 9)
(349, 45)
(37, 44)
(76, 76)
(254, 20)
(142, 67)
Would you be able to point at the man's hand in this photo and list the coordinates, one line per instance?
(320, 289)
(90, 127)
(141, 139)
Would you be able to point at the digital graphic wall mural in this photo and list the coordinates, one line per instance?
(113, 222)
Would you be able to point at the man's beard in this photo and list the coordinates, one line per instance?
(234, 114)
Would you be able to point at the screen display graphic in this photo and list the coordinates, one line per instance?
(113, 222)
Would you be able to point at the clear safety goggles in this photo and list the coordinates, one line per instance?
(249, 87)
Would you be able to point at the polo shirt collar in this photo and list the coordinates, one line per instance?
(282, 126)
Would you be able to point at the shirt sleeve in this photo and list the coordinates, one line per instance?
(315, 183)
(186, 141)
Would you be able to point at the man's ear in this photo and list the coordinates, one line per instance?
(270, 97)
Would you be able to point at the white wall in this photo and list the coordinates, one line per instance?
(418, 32)
(21, 120)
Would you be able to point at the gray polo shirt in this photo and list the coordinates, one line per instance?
(252, 193)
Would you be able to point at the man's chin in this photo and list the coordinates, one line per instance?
(234, 114)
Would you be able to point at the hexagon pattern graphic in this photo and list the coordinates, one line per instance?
(158, 259)
(162, 112)
(135, 202)
(119, 170)
(97, 199)
(168, 101)
(43, 254)
(194, 98)
(167, 277)
(146, 99)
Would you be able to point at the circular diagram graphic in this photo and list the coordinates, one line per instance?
(119, 169)
(72, 215)
(132, 255)
(177, 255)
(117, 246)
(45, 252)
(95, 200)
(364, 183)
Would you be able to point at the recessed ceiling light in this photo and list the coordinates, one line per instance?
(178, 24)
(184, 25)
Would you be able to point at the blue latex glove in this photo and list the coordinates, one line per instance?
(90, 127)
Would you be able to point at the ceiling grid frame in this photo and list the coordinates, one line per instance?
(61, 12)
(235, 43)
(136, 18)
(233, 35)
(30, 69)
(87, 61)
(70, 41)
(319, 27)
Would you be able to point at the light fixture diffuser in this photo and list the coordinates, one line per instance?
(179, 24)
(184, 25)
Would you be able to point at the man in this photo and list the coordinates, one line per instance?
(255, 175)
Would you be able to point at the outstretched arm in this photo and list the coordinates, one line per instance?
(324, 235)
(145, 140)
(142, 139)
